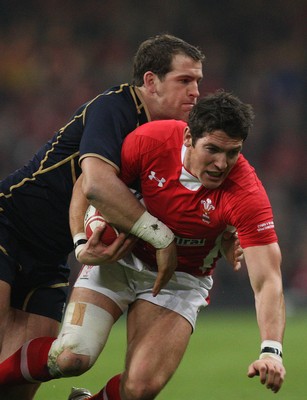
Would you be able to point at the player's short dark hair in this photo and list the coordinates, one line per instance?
(221, 111)
(156, 55)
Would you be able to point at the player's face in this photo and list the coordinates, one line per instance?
(177, 93)
(212, 157)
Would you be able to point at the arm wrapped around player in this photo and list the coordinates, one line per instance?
(153, 231)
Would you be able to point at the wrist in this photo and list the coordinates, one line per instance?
(80, 241)
(271, 348)
(153, 231)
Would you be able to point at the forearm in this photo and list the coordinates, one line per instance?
(77, 209)
(263, 265)
(270, 310)
(124, 211)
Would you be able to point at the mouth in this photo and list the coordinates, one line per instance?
(188, 106)
(214, 174)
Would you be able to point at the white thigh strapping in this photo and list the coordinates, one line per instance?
(85, 331)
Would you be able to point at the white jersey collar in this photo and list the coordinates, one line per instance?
(188, 180)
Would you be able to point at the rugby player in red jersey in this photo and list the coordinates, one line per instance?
(195, 184)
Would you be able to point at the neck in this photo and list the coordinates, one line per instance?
(146, 98)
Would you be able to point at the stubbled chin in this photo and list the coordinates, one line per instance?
(210, 184)
(185, 116)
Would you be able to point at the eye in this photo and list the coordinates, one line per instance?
(211, 149)
(233, 153)
(185, 81)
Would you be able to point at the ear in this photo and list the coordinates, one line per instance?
(150, 81)
(187, 137)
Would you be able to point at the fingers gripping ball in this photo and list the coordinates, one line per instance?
(92, 220)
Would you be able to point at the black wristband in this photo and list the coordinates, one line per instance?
(272, 350)
(78, 242)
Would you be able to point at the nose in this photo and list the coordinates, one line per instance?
(220, 161)
(194, 90)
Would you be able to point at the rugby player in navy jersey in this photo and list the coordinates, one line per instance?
(35, 238)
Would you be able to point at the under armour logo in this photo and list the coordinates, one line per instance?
(153, 176)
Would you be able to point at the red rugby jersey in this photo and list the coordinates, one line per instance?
(198, 217)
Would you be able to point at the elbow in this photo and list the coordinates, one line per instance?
(97, 178)
(90, 190)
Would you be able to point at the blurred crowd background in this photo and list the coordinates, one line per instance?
(57, 54)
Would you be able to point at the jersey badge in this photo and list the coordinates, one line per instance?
(208, 207)
(152, 176)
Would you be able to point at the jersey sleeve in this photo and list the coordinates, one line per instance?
(107, 120)
(252, 216)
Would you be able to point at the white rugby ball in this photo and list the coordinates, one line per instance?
(92, 219)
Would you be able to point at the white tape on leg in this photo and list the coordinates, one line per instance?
(85, 331)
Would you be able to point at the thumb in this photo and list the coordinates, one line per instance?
(237, 266)
(158, 284)
(251, 372)
(227, 235)
(97, 233)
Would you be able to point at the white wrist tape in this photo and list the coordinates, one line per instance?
(153, 231)
(271, 348)
(79, 240)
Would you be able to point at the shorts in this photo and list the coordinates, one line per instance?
(184, 294)
(37, 287)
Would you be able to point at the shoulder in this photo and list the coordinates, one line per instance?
(117, 94)
(121, 89)
(119, 104)
(120, 95)
(114, 109)
(160, 137)
(162, 130)
(247, 206)
(243, 176)
(245, 198)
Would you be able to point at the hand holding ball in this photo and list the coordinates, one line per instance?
(92, 220)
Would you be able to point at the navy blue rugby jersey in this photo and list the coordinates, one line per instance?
(34, 200)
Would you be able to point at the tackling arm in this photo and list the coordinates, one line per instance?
(93, 251)
(105, 191)
(263, 264)
(77, 209)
